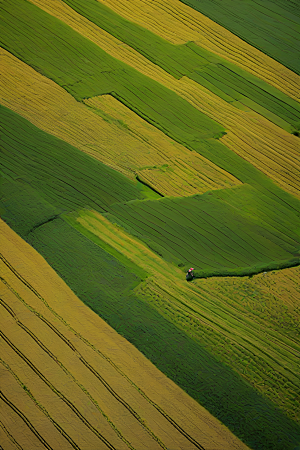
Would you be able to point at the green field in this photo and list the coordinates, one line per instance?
(227, 338)
(271, 26)
(217, 232)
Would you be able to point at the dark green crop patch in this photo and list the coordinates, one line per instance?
(61, 174)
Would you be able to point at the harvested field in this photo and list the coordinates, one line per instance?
(60, 328)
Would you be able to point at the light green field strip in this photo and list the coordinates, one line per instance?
(204, 304)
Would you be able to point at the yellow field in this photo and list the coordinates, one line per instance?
(75, 381)
(161, 162)
(204, 302)
(268, 147)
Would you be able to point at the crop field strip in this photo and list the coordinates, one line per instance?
(20, 289)
(32, 155)
(8, 441)
(209, 232)
(152, 100)
(142, 439)
(210, 309)
(249, 135)
(190, 60)
(89, 220)
(58, 438)
(260, 357)
(180, 24)
(97, 374)
(247, 394)
(43, 107)
(83, 388)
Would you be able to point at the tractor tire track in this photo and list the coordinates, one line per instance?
(10, 437)
(24, 418)
(86, 342)
(57, 392)
(95, 373)
(41, 408)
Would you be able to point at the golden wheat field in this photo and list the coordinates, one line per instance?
(70, 380)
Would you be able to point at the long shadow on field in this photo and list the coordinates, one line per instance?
(106, 286)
